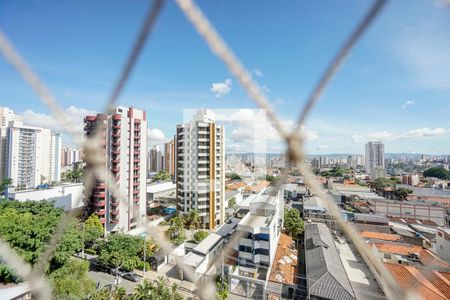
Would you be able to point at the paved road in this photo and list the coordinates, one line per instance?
(105, 279)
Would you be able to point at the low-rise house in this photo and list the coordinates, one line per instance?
(407, 254)
(283, 275)
(326, 276)
(160, 193)
(427, 284)
(369, 235)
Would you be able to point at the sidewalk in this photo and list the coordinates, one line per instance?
(185, 288)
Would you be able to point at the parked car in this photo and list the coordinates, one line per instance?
(131, 276)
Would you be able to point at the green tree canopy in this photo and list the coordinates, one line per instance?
(124, 251)
(437, 172)
(381, 183)
(200, 235)
(71, 280)
(293, 223)
(161, 176)
(192, 219)
(159, 289)
(93, 229)
(402, 193)
(232, 202)
(28, 227)
(233, 176)
(176, 231)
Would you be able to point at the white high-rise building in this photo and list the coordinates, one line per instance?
(200, 174)
(374, 158)
(124, 143)
(55, 175)
(6, 116)
(32, 153)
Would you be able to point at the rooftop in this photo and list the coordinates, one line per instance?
(284, 266)
(207, 244)
(427, 283)
(327, 276)
(380, 236)
(160, 187)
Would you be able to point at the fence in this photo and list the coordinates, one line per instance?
(294, 139)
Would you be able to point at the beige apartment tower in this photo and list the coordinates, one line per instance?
(199, 171)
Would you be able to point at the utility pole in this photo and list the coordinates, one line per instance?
(82, 249)
(145, 246)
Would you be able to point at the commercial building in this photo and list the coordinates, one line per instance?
(200, 174)
(169, 157)
(123, 138)
(374, 159)
(32, 155)
(409, 209)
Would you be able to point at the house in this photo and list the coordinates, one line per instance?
(283, 276)
(428, 284)
(326, 276)
(443, 243)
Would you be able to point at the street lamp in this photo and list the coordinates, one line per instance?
(144, 235)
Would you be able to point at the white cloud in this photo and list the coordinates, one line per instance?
(258, 72)
(265, 88)
(155, 135)
(221, 88)
(413, 134)
(74, 114)
(407, 103)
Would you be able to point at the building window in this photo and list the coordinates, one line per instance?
(440, 234)
(387, 256)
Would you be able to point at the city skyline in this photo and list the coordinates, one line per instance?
(387, 97)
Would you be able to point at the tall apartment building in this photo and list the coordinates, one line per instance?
(124, 144)
(156, 159)
(200, 174)
(354, 160)
(71, 156)
(169, 157)
(6, 116)
(33, 155)
(374, 158)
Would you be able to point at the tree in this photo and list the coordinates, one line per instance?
(437, 172)
(221, 288)
(233, 176)
(93, 229)
(71, 280)
(269, 178)
(122, 251)
(402, 193)
(5, 183)
(293, 223)
(231, 202)
(161, 176)
(28, 227)
(193, 219)
(118, 293)
(159, 289)
(73, 175)
(200, 235)
(381, 183)
(176, 231)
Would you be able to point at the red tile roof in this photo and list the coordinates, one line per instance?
(284, 266)
(429, 284)
(380, 236)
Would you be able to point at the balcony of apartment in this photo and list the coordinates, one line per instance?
(116, 117)
(136, 200)
(102, 220)
(136, 168)
(136, 152)
(135, 192)
(99, 194)
(116, 134)
(114, 212)
(116, 126)
(136, 184)
(115, 169)
(116, 143)
(115, 160)
(114, 221)
(100, 212)
(245, 241)
(136, 159)
(100, 203)
(115, 203)
(136, 175)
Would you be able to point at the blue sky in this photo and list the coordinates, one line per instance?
(394, 86)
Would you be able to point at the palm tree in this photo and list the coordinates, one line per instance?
(194, 219)
(143, 290)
